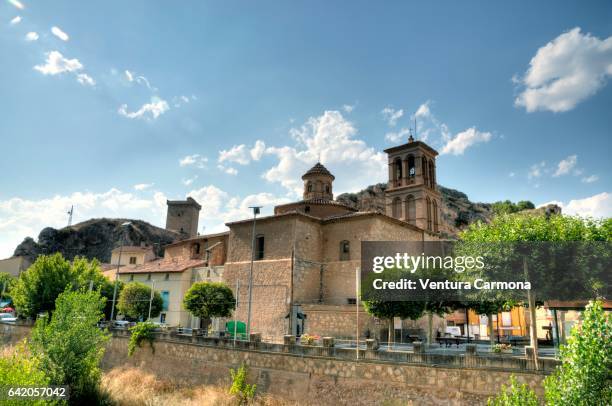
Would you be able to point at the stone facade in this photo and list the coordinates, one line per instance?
(183, 216)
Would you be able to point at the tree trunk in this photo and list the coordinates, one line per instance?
(429, 327)
(391, 332)
(533, 329)
(491, 331)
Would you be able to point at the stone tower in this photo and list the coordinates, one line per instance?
(318, 183)
(183, 216)
(412, 194)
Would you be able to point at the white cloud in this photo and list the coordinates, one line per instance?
(59, 33)
(566, 165)
(193, 160)
(391, 115)
(258, 150)
(536, 170)
(423, 110)
(189, 181)
(56, 64)
(219, 207)
(465, 139)
(599, 205)
(85, 79)
(17, 4)
(566, 71)
(21, 217)
(31, 36)
(148, 111)
(237, 154)
(16, 20)
(332, 139)
(241, 154)
(398, 136)
(228, 170)
(511, 175)
(129, 76)
(143, 186)
(348, 108)
(590, 179)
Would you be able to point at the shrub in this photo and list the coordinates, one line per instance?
(134, 301)
(209, 299)
(583, 378)
(22, 369)
(244, 391)
(514, 395)
(141, 332)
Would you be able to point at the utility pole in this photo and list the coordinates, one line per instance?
(236, 309)
(151, 298)
(255, 213)
(70, 215)
(112, 315)
(357, 281)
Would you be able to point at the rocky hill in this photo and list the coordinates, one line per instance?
(457, 210)
(95, 238)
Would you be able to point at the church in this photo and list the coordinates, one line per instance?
(305, 255)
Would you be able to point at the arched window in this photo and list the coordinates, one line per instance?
(411, 167)
(428, 204)
(397, 208)
(259, 247)
(327, 188)
(435, 216)
(424, 169)
(398, 169)
(309, 187)
(410, 208)
(345, 250)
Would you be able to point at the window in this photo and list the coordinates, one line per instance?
(165, 295)
(428, 204)
(351, 300)
(307, 209)
(410, 214)
(162, 318)
(424, 170)
(149, 277)
(396, 208)
(327, 189)
(132, 260)
(131, 278)
(259, 247)
(309, 187)
(398, 169)
(167, 277)
(196, 248)
(435, 216)
(345, 250)
(411, 167)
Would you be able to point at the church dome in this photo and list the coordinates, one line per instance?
(318, 169)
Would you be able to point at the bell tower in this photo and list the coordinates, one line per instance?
(412, 193)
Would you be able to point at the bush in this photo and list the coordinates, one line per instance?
(514, 395)
(70, 346)
(209, 299)
(240, 387)
(141, 332)
(22, 369)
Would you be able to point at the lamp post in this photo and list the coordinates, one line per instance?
(255, 213)
(112, 315)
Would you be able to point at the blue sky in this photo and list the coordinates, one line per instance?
(115, 106)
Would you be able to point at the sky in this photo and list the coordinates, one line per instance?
(113, 107)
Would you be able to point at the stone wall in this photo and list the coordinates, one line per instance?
(316, 380)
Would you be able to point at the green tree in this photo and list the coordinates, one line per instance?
(507, 207)
(39, 286)
(70, 346)
(89, 275)
(134, 301)
(387, 310)
(584, 376)
(209, 299)
(525, 205)
(534, 228)
(6, 283)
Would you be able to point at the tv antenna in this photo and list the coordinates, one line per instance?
(70, 215)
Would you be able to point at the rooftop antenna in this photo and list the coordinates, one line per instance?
(70, 215)
(415, 127)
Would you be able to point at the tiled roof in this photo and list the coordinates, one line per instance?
(318, 169)
(326, 202)
(198, 238)
(132, 248)
(163, 265)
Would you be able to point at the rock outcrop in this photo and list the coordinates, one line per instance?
(96, 238)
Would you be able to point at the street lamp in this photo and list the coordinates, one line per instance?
(255, 213)
(151, 298)
(126, 224)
